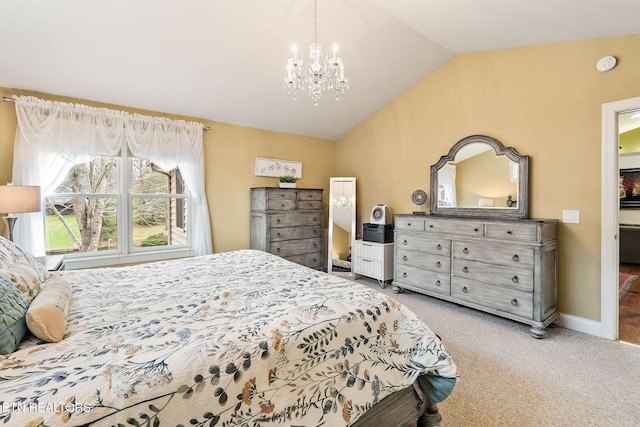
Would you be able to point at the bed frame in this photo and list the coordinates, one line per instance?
(401, 409)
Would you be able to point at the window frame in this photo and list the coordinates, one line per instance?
(126, 253)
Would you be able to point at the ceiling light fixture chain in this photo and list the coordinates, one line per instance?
(323, 73)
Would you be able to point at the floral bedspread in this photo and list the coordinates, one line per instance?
(241, 338)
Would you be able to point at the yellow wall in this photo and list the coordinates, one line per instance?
(630, 141)
(230, 153)
(545, 101)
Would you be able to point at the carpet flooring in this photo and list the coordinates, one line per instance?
(508, 378)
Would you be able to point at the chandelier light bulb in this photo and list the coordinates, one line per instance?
(324, 73)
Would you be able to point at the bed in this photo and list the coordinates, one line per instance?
(241, 338)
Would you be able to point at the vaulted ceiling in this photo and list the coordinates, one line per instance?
(224, 60)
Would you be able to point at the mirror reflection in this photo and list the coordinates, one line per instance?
(478, 178)
(342, 224)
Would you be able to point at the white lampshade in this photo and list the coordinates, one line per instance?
(19, 198)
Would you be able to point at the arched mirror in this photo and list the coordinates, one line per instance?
(480, 177)
(342, 224)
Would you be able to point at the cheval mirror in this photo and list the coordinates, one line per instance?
(480, 177)
(342, 225)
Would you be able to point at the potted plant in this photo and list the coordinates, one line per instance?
(288, 181)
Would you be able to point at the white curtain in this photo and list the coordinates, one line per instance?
(447, 179)
(52, 137)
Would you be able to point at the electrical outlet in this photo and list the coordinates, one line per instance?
(571, 217)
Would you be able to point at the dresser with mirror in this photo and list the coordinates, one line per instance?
(478, 247)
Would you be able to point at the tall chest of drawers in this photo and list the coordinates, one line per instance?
(288, 222)
(504, 267)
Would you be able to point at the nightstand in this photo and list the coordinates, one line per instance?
(373, 260)
(52, 262)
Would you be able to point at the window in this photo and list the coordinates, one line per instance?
(105, 209)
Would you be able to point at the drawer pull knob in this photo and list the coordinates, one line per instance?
(476, 229)
(430, 225)
(277, 249)
(315, 245)
(516, 258)
(438, 283)
(405, 243)
(465, 250)
(404, 274)
(278, 220)
(278, 234)
(465, 269)
(514, 302)
(404, 258)
(283, 205)
(438, 264)
(439, 247)
(408, 224)
(515, 279)
(465, 290)
(509, 232)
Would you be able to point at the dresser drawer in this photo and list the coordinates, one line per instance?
(310, 195)
(281, 204)
(277, 234)
(460, 228)
(418, 278)
(515, 232)
(506, 300)
(290, 248)
(279, 194)
(311, 260)
(498, 275)
(419, 243)
(295, 219)
(440, 263)
(409, 224)
(309, 205)
(495, 253)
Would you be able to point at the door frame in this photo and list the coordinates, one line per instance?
(609, 227)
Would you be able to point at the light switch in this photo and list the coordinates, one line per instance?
(571, 217)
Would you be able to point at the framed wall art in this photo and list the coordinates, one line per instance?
(275, 168)
(629, 188)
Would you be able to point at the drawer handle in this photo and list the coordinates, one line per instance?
(278, 234)
(314, 218)
(439, 247)
(509, 232)
(476, 229)
(515, 279)
(430, 225)
(366, 260)
(404, 274)
(465, 269)
(438, 264)
(404, 258)
(516, 258)
(438, 283)
(408, 224)
(283, 205)
(465, 290)
(315, 245)
(465, 251)
(278, 220)
(277, 249)
(514, 302)
(405, 243)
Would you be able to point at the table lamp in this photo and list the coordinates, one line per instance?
(18, 199)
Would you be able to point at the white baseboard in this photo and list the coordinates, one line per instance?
(580, 324)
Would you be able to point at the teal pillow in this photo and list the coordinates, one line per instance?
(13, 310)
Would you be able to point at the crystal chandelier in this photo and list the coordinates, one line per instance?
(323, 72)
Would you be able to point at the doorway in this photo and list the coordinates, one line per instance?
(610, 251)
